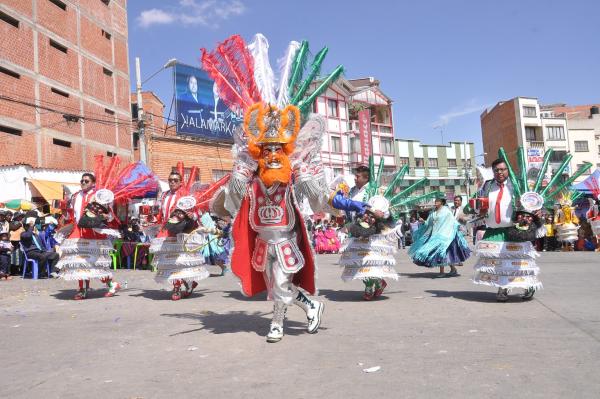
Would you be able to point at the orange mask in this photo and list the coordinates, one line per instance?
(274, 165)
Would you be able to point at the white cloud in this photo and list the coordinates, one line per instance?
(154, 16)
(445, 118)
(209, 13)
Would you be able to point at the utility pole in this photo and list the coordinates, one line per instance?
(141, 117)
(467, 172)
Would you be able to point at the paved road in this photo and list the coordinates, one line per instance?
(443, 338)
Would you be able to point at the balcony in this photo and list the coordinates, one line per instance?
(539, 145)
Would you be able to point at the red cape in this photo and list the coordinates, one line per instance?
(243, 246)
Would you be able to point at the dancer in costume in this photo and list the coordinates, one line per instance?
(439, 242)
(505, 260)
(368, 254)
(178, 248)
(276, 165)
(566, 222)
(85, 253)
(593, 213)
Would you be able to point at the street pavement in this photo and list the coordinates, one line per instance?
(430, 338)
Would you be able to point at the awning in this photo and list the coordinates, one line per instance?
(50, 190)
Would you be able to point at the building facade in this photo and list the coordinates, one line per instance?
(64, 82)
(165, 148)
(522, 121)
(450, 168)
(347, 105)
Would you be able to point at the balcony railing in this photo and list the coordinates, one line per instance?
(535, 144)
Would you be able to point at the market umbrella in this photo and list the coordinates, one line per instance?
(17, 204)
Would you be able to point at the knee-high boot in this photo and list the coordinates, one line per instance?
(276, 330)
(314, 311)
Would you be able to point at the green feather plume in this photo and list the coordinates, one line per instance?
(298, 67)
(398, 177)
(315, 68)
(305, 104)
(410, 201)
(406, 192)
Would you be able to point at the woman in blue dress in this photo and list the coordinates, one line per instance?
(439, 243)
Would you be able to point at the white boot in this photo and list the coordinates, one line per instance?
(276, 330)
(314, 311)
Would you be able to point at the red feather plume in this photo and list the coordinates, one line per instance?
(231, 66)
(593, 185)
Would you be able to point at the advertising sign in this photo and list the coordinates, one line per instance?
(535, 159)
(198, 109)
(364, 128)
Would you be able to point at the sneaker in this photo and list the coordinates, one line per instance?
(81, 294)
(113, 290)
(379, 290)
(275, 333)
(313, 315)
(502, 295)
(528, 295)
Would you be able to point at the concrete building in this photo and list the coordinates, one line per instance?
(347, 144)
(522, 121)
(165, 148)
(64, 82)
(450, 168)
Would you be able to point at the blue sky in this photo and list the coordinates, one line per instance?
(441, 61)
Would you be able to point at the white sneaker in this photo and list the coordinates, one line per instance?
(275, 333)
(313, 315)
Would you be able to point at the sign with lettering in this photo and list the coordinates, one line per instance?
(364, 129)
(199, 110)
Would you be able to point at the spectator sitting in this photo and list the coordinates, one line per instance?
(5, 249)
(34, 247)
(47, 233)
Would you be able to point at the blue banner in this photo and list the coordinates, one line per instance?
(198, 108)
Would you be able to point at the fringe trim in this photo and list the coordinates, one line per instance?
(189, 274)
(359, 273)
(506, 250)
(506, 281)
(84, 274)
(86, 246)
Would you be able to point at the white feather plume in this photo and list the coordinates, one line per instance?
(263, 73)
(285, 66)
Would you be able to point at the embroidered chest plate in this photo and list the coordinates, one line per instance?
(271, 208)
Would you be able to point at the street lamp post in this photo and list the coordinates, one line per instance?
(141, 118)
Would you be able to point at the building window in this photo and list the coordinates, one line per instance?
(10, 73)
(338, 171)
(450, 192)
(59, 92)
(59, 4)
(529, 133)
(61, 143)
(387, 147)
(581, 146)
(599, 150)
(107, 71)
(111, 154)
(109, 111)
(336, 144)
(529, 112)
(452, 163)
(106, 2)
(58, 46)
(432, 162)
(332, 108)
(9, 20)
(354, 144)
(434, 188)
(10, 130)
(106, 34)
(419, 162)
(555, 132)
(558, 156)
(403, 161)
(385, 129)
(216, 174)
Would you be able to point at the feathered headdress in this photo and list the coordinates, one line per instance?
(118, 185)
(246, 83)
(401, 200)
(535, 198)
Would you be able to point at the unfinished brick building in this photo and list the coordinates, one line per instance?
(64, 82)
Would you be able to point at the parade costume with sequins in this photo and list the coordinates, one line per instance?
(368, 254)
(86, 251)
(506, 258)
(277, 164)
